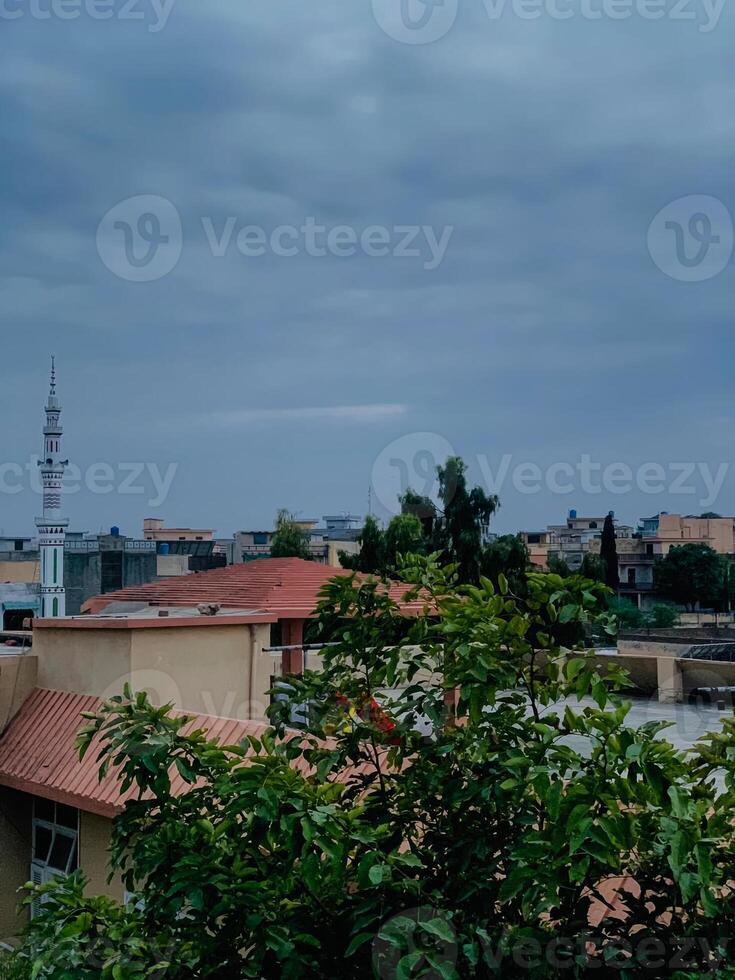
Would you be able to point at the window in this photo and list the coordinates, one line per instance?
(260, 537)
(55, 836)
(631, 576)
(18, 546)
(593, 523)
(55, 845)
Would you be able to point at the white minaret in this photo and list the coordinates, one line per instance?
(52, 526)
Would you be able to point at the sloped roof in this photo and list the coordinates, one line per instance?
(288, 587)
(37, 753)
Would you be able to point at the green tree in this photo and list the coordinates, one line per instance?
(507, 555)
(558, 566)
(371, 556)
(662, 616)
(421, 507)
(592, 567)
(690, 574)
(463, 521)
(301, 854)
(404, 536)
(380, 549)
(609, 554)
(290, 540)
(627, 613)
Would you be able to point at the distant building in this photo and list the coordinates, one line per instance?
(569, 542)
(339, 533)
(537, 544)
(182, 550)
(155, 530)
(653, 540)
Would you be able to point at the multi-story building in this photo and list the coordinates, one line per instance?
(571, 541)
(182, 550)
(537, 544)
(652, 541)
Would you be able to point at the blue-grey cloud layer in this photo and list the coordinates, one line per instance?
(546, 332)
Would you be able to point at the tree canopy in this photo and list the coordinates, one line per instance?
(450, 809)
(691, 574)
(290, 539)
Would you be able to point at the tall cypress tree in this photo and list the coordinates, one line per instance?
(609, 554)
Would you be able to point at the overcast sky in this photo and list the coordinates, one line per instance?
(518, 159)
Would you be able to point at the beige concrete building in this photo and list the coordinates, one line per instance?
(55, 816)
(201, 642)
(155, 530)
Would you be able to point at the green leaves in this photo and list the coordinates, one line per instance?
(519, 816)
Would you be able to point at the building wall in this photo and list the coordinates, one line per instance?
(94, 847)
(83, 573)
(208, 669)
(82, 578)
(214, 670)
(20, 571)
(170, 565)
(139, 568)
(86, 661)
(18, 675)
(15, 857)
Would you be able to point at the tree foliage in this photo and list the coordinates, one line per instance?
(609, 554)
(506, 555)
(591, 567)
(462, 526)
(396, 842)
(290, 540)
(381, 550)
(558, 566)
(630, 617)
(691, 574)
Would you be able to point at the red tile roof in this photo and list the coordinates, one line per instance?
(288, 587)
(37, 753)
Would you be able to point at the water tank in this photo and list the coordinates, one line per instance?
(163, 548)
(572, 514)
(115, 531)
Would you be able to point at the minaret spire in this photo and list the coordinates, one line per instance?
(52, 526)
